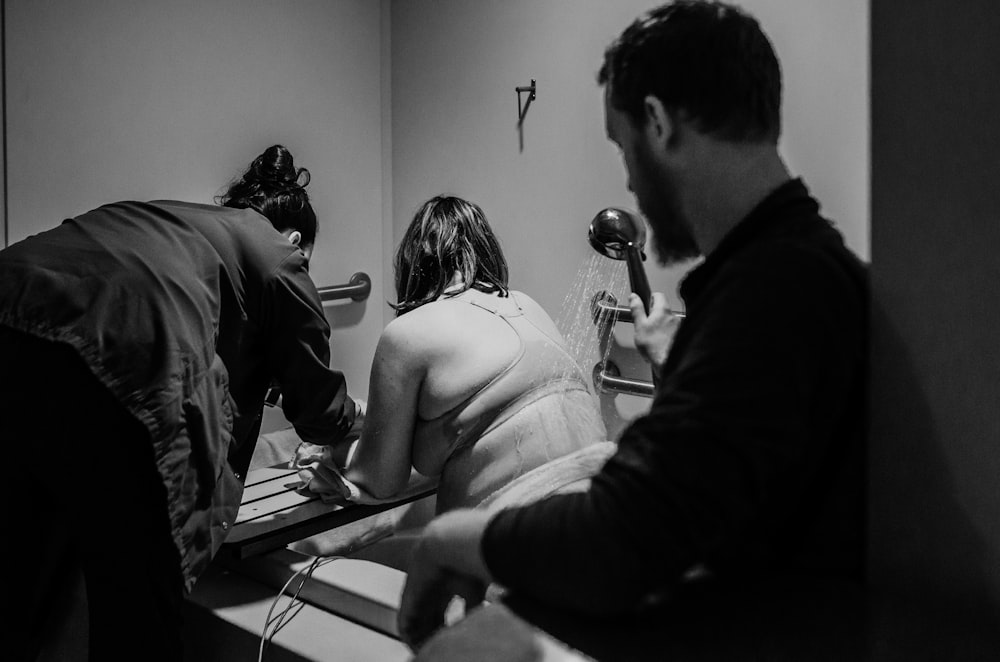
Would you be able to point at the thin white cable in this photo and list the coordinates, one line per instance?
(283, 618)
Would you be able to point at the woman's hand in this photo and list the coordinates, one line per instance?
(360, 410)
(446, 563)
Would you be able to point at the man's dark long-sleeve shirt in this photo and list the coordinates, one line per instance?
(751, 458)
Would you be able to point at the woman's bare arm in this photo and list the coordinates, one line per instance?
(383, 457)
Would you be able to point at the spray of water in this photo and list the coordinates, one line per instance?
(574, 420)
(576, 322)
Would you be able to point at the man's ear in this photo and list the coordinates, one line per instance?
(659, 124)
(294, 236)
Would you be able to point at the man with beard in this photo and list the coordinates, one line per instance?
(749, 465)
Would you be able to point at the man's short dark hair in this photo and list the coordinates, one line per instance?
(708, 60)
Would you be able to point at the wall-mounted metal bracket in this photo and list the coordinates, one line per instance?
(522, 110)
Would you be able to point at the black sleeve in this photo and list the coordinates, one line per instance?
(719, 467)
(314, 397)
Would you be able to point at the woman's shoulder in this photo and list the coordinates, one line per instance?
(446, 322)
(426, 326)
(442, 311)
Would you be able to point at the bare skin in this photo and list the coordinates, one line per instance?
(427, 362)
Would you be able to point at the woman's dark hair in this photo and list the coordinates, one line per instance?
(710, 60)
(446, 235)
(273, 187)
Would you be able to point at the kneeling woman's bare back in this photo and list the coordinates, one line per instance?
(471, 382)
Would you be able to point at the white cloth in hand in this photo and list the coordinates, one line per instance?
(320, 474)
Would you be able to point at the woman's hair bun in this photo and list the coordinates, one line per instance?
(275, 170)
(275, 188)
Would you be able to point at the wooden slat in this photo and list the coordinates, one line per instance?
(267, 474)
(275, 486)
(271, 505)
(277, 511)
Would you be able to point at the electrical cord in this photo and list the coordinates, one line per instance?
(285, 617)
(287, 614)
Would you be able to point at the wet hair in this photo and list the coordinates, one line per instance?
(273, 187)
(709, 60)
(446, 235)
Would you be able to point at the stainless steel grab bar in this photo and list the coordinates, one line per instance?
(607, 379)
(358, 289)
(604, 303)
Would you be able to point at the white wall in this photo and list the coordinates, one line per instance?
(142, 99)
(456, 64)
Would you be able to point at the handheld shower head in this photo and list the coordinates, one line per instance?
(621, 235)
(613, 230)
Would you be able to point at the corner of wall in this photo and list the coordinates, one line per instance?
(386, 137)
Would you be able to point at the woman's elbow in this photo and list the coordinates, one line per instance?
(379, 485)
(383, 491)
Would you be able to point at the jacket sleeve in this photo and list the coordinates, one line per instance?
(314, 396)
(722, 470)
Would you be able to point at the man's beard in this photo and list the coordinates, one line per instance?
(673, 241)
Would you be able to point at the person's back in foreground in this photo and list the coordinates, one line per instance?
(155, 329)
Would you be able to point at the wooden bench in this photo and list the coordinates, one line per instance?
(273, 513)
